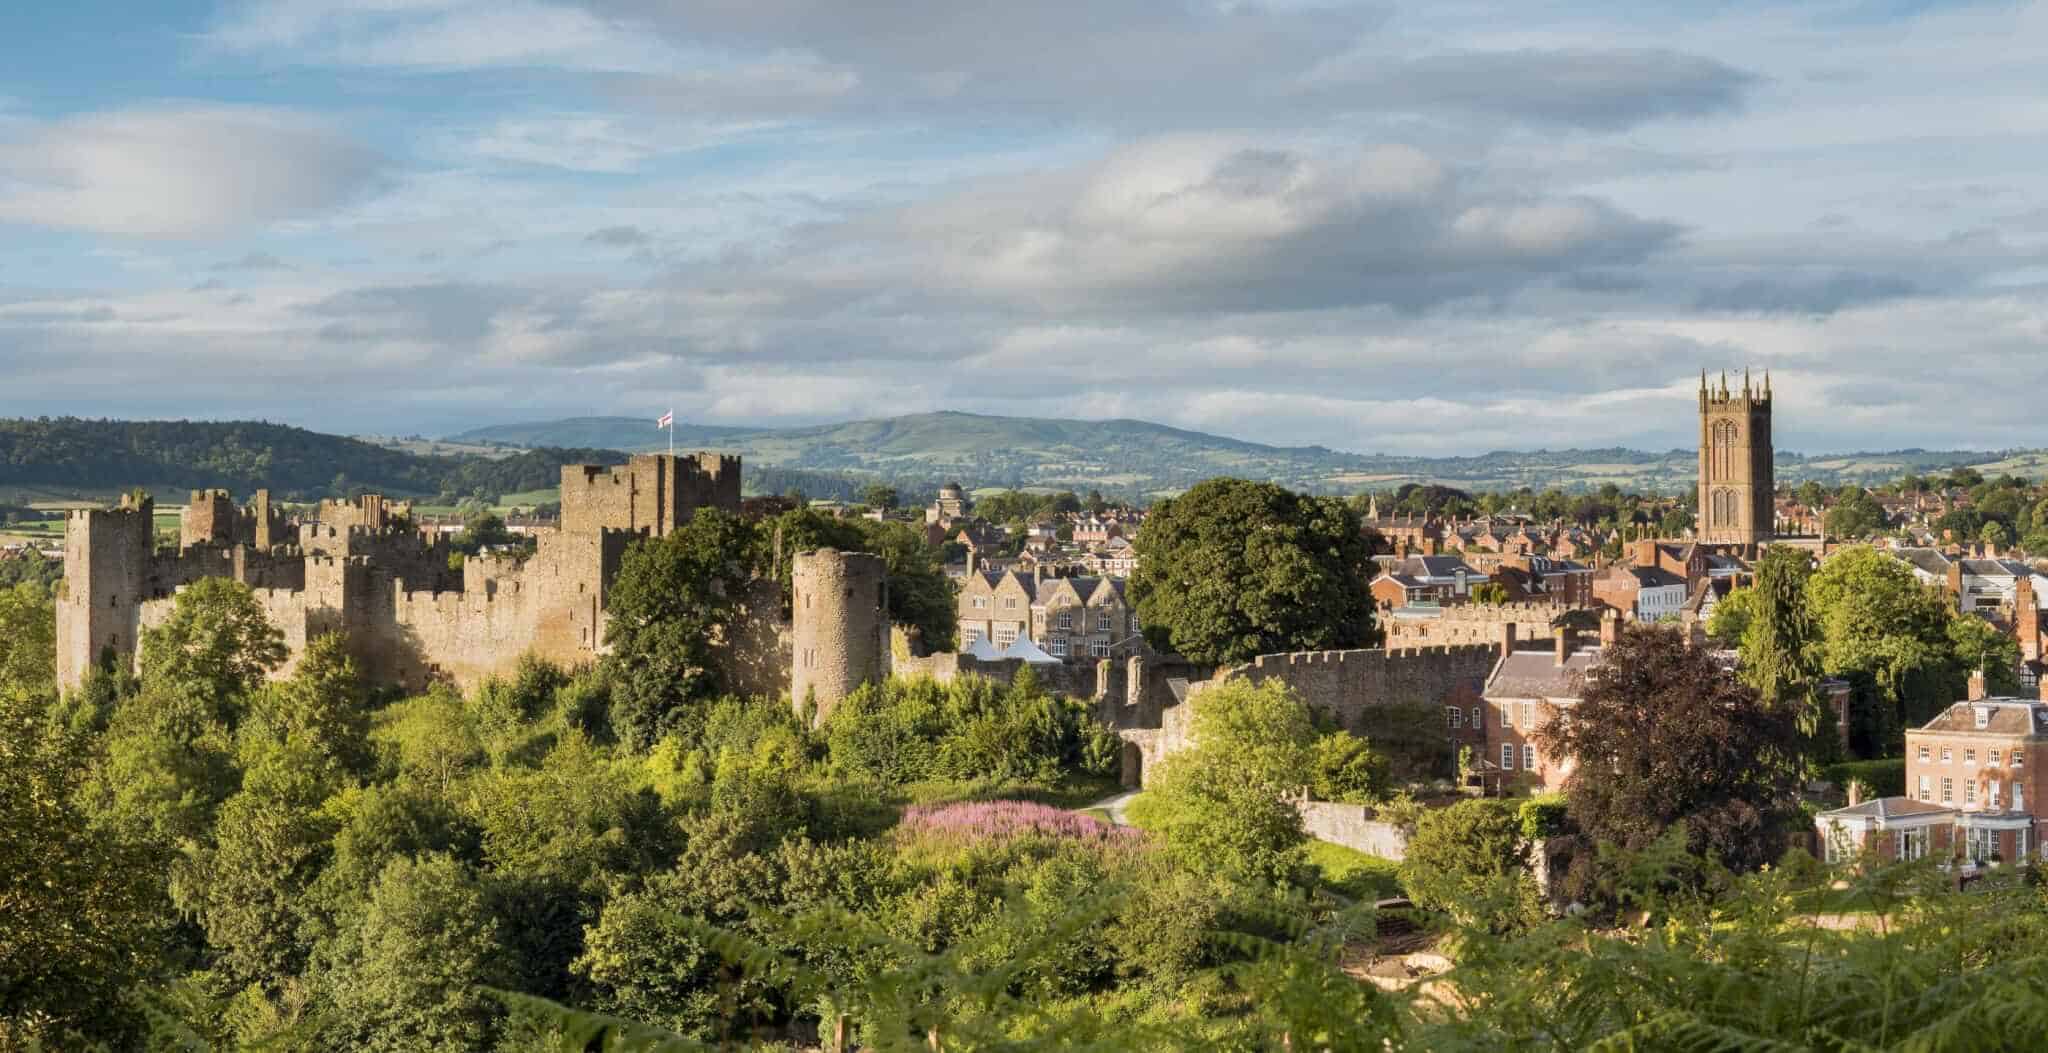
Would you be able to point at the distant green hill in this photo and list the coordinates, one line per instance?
(1137, 457)
(67, 457)
(58, 458)
(611, 433)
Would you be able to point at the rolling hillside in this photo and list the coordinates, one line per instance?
(57, 460)
(1137, 457)
(66, 458)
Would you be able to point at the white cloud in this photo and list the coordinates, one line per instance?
(178, 170)
(590, 142)
(1203, 224)
(432, 35)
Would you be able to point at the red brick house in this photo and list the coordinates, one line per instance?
(1974, 775)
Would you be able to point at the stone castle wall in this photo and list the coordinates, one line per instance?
(1072, 679)
(1346, 683)
(1471, 623)
(650, 492)
(409, 619)
(1154, 711)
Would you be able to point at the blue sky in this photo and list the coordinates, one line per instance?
(1428, 228)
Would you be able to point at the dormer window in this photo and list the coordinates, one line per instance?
(1983, 717)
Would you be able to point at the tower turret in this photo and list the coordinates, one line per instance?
(839, 613)
(107, 554)
(1736, 472)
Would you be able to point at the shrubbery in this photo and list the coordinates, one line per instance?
(1885, 777)
(1471, 861)
(905, 731)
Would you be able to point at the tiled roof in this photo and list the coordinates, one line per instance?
(1888, 808)
(1536, 674)
(1996, 568)
(1927, 560)
(2006, 716)
(1652, 577)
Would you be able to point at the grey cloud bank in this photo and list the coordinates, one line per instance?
(1396, 228)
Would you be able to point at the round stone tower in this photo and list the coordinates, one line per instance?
(839, 622)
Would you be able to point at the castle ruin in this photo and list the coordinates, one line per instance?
(360, 568)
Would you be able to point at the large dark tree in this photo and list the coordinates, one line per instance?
(1233, 569)
(1663, 735)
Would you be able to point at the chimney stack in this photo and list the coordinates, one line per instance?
(1855, 792)
(1564, 644)
(1610, 628)
(2026, 618)
(1978, 690)
(1507, 639)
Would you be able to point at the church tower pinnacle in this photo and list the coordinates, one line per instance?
(1737, 501)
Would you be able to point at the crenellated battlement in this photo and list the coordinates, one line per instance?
(360, 568)
(652, 492)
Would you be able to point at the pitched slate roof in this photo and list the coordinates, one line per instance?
(1996, 568)
(1927, 560)
(1888, 808)
(1654, 577)
(1536, 674)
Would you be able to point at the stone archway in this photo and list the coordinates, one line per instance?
(1132, 770)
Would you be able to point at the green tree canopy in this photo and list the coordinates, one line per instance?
(28, 643)
(83, 913)
(667, 606)
(1780, 643)
(880, 495)
(1471, 861)
(920, 593)
(1220, 802)
(414, 977)
(1876, 620)
(170, 749)
(1856, 515)
(1234, 569)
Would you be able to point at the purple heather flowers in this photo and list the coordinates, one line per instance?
(1001, 820)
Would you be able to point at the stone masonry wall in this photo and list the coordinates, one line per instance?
(1471, 623)
(1071, 679)
(1345, 683)
(1156, 715)
(1354, 826)
(651, 492)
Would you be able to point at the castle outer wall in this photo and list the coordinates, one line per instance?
(363, 571)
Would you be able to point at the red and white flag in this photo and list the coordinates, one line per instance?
(667, 419)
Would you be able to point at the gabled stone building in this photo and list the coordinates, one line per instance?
(1067, 617)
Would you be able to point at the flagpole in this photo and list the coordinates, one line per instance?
(671, 432)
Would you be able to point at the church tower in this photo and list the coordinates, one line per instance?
(1737, 488)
